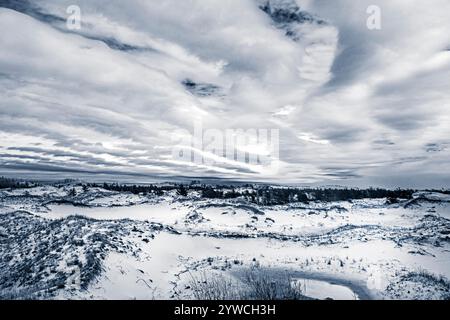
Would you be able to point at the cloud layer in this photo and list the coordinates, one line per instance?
(352, 105)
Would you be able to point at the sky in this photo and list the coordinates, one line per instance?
(121, 95)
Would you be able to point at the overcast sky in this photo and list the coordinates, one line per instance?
(353, 105)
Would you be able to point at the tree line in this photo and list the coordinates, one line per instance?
(8, 183)
(266, 195)
(258, 194)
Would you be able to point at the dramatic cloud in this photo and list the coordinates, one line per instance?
(353, 105)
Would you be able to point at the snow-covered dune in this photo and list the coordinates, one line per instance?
(146, 246)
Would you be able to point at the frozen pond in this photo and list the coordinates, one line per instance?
(319, 289)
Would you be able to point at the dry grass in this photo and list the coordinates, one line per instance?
(256, 284)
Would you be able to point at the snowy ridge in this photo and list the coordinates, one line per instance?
(432, 196)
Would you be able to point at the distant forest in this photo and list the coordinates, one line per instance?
(6, 183)
(260, 194)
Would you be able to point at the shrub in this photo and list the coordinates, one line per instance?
(256, 284)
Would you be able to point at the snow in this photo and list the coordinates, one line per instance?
(360, 249)
(323, 290)
(433, 196)
(159, 212)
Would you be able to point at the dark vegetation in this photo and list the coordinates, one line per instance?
(6, 183)
(258, 194)
(135, 189)
(255, 284)
(265, 195)
(421, 280)
(38, 257)
(277, 196)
